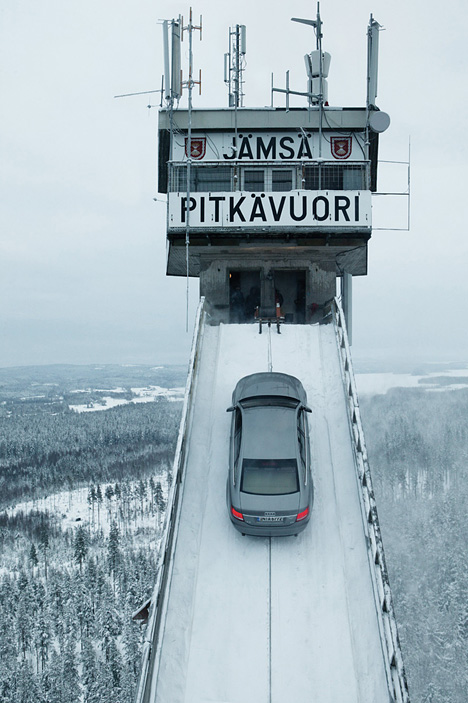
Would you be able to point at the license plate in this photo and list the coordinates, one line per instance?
(270, 519)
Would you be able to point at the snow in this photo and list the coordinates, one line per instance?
(451, 387)
(254, 620)
(380, 383)
(107, 402)
(68, 506)
(152, 392)
(71, 508)
(142, 395)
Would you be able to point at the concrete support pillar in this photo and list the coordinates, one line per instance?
(347, 299)
(268, 289)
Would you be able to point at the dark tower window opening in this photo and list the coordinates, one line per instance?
(290, 293)
(244, 295)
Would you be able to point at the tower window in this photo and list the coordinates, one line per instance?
(254, 179)
(281, 179)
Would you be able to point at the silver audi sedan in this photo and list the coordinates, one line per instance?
(269, 486)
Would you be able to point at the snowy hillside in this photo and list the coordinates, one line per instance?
(80, 534)
(68, 636)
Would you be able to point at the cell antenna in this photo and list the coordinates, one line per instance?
(372, 60)
(172, 71)
(234, 65)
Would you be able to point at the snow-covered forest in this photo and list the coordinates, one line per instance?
(75, 565)
(78, 553)
(49, 442)
(418, 449)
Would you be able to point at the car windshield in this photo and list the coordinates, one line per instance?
(269, 477)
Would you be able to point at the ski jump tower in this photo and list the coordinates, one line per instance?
(272, 200)
(270, 207)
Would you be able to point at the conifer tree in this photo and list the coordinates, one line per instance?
(8, 640)
(98, 501)
(51, 679)
(113, 550)
(131, 636)
(42, 640)
(70, 680)
(160, 501)
(24, 621)
(33, 560)
(152, 487)
(26, 686)
(44, 543)
(89, 677)
(115, 663)
(142, 494)
(80, 548)
(109, 495)
(91, 498)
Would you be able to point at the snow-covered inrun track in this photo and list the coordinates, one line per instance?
(260, 620)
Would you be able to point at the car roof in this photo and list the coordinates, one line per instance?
(269, 383)
(269, 432)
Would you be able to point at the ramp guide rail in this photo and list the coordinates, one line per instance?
(376, 553)
(151, 643)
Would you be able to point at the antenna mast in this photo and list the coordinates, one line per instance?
(189, 84)
(315, 96)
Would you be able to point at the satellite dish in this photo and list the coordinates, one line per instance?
(379, 121)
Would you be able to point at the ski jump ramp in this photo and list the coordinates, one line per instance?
(272, 620)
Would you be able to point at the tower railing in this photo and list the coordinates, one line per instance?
(383, 597)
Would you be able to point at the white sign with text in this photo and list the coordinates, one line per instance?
(263, 146)
(299, 208)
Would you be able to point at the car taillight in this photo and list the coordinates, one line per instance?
(236, 513)
(301, 516)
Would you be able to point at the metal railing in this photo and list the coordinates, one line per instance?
(260, 176)
(396, 671)
(151, 644)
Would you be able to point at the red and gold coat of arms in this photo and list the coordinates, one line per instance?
(341, 147)
(197, 147)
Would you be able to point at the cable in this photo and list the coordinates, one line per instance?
(342, 133)
(270, 357)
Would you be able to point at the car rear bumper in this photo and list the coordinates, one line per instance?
(270, 530)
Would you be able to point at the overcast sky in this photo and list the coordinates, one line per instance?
(82, 242)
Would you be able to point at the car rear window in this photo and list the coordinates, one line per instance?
(268, 400)
(269, 477)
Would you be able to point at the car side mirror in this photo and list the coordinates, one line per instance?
(230, 409)
(307, 409)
